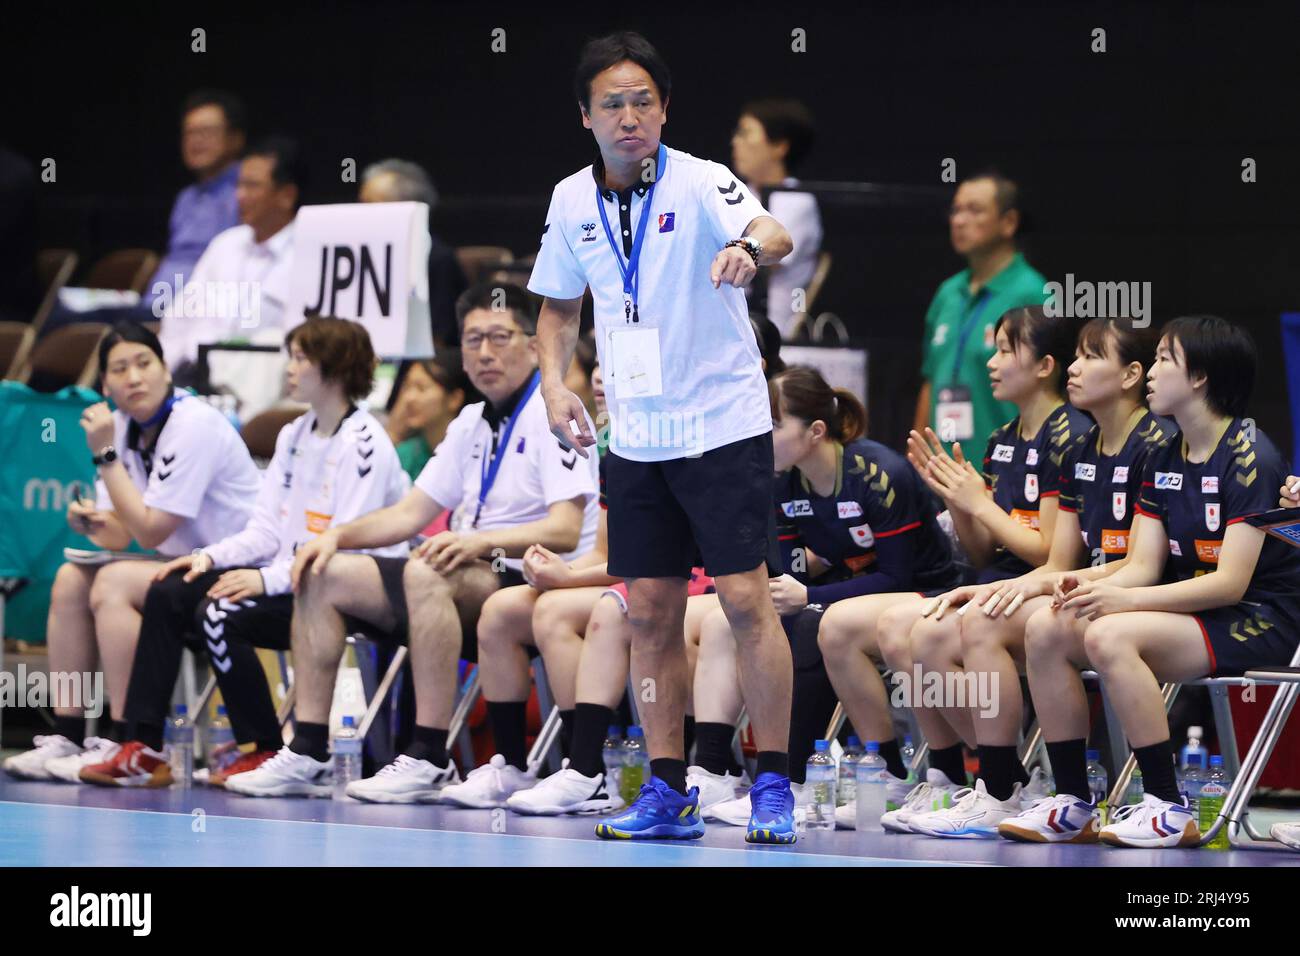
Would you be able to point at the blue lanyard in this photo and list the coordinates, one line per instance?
(967, 327)
(488, 472)
(629, 272)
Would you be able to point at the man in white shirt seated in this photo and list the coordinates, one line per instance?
(512, 485)
(239, 285)
(772, 139)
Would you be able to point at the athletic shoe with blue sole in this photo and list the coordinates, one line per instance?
(772, 815)
(658, 813)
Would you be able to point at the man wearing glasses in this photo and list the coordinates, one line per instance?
(511, 485)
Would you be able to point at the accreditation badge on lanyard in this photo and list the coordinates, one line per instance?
(954, 412)
(632, 354)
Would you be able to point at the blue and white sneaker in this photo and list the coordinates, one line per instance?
(1058, 819)
(1153, 823)
(974, 814)
(658, 813)
(772, 810)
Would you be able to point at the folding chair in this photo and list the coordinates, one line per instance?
(542, 752)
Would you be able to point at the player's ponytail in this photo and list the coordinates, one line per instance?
(802, 392)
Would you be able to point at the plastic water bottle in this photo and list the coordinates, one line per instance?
(180, 747)
(846, 789)
(1136, 790)
(1098, 784)
(346, 748)
(1213, 793)
(613, 756)
(871, 786)
(819, 788)
(908, 753)
(1193, 778)
(1192, 750)
(636, 764)
(220, 747)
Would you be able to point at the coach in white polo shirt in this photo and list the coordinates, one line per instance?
(511, 485)
(665, 241)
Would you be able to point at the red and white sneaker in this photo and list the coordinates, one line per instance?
(242, 764)
(135, 765)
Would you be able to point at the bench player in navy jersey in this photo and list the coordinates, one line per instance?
(856, 521)
(1005, 519)
(1099, 489)
(1234, 602)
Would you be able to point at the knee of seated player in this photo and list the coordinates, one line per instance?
(981, 633)
(112, 584)
(936, 643)
(499, 612)
(894, 637)
(554, 620)
(1109, 643)
(71, 586)
(421, 582)
(1046, 633)
(840, 632)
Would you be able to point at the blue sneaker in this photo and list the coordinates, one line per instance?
(658, 813)
(771, 817)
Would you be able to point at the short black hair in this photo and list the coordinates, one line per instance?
(788, 121)
(230, 104)
(494, 295)
(1045, 334)
(128, 331)
(1006, 191)
(290, 167)
(1221, 351)
(600, 54)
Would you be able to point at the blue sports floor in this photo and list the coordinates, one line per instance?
(54, 824)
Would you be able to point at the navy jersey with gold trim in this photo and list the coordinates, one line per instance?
(1197, 502)
(877, 495)
(1104, 489)
(1021, 472)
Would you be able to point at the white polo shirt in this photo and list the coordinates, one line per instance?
(709, 382)
(799, 214)
(199, 469)
(238, 290)
(537, 471)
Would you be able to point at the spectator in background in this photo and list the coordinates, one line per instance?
(433, 393)
(956, 399)
(240, 284)
(398, 180)
(771, 140)
(20, 294)
(212, 139)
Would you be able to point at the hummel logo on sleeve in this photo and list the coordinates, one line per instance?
(366, 452)
(739, 198)
(164, 475)
(168, 459)
(362, 472)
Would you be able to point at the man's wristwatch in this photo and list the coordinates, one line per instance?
(107, 455)
(750, 245)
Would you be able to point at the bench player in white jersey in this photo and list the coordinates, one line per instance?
(330, 465)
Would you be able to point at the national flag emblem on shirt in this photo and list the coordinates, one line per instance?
(1212, 515)
(1118, 504)
(666, 221)
(862, 535)
(1031, 487)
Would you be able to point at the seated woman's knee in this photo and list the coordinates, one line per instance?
(1107, 642)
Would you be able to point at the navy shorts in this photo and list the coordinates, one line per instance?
(714, 511)
(1247, 635)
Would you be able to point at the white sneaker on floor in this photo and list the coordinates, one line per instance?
(1288, 834)
(714, 787)
(287, 774)
(1152, 824)
(935, 793)
(1036, 789)
(30, 765)
(734, 813)
(489, 786)
(1058, 819)
(405, 780)
(68, 769)
(566, 792)
(974, 814)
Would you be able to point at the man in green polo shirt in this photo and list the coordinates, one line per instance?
(956, 399)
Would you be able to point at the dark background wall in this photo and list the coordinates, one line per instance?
(1130, 159)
